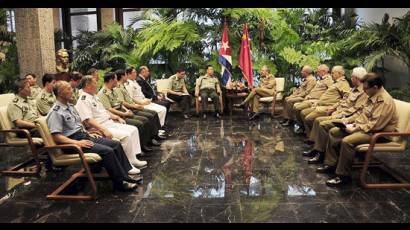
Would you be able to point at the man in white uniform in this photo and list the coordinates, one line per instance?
(134, 89)
(93, 113)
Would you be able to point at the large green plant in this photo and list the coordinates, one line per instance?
(9, 68)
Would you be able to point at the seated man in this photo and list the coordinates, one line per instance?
(378, 115)
(178, 92)
(208, 86)
(135, 92)
(35, 89)
(308, 83)
(22, 111)
(75, 78)
(148, 91)
(66, 128)
(109, 99)
(45, 99)
(138, 109)
(267, 88)
(95, 116)
(347, 107)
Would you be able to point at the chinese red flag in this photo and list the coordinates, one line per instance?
(245, 62)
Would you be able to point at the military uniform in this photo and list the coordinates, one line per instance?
(208, 86)
(298, 95)
(334, 94)
(89, 106)
(45, 101)
(109, 99)
(378, 115)
(347, 107)
(314, 95)
(23, 109)
(123, 96)
(35, 90)
(65, 120)
(267, 88)
(135, 92)
(75, 95)
(177, 85)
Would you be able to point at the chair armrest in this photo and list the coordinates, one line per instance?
(376, 136)
(24, 131)
(64, 146)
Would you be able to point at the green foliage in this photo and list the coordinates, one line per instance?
(9, 68)
(297, 58)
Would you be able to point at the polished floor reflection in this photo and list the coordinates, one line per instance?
(228, 170)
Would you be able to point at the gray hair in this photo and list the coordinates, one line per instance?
(323, 67)
(359, 73)
(339, 68)
(308, 69)
(87, 79)
(58, 85)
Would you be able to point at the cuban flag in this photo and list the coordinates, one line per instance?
(225, 58)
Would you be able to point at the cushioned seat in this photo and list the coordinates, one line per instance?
(5, 99)
(280, 86)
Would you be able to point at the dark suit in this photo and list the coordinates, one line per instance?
(149, 93)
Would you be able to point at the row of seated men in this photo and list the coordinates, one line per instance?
(336, 117)
(77, 113)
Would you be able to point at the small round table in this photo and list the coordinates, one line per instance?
(231, 97)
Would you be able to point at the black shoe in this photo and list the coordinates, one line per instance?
(287, 123)
(339, 181)
(308, 142)
(326, 169)
(239, 106)
(160, 137)
(155, 143)
(310, 153)
(283, 121)
(300, 131)
(254, 116)
(186, 116)
(134, 179)
(318, 159)
(146, 149)
(125, 186)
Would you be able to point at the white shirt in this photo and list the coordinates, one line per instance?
(89, 106)
(134, 89)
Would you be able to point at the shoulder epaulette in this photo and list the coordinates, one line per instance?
(15, 100)
(83, 97)
(56, 108)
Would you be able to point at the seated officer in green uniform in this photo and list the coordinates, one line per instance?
(35, 89)
(75, 78)
(138, 109)
(109, 99)
(45, 99)
(65, 126)
(22, 111)
(178, 92)
(208, 86)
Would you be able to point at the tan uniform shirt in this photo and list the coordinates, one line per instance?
(45, 101)
(351, 103)
(35, 90)
(208, 82)
(379, 114)
(337, 91)
(268, 83)
(108, 98)
(321, 86)
(22, 109)
(304, 89)
(122, 94)
(176, 84)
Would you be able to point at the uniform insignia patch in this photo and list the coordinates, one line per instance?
(83, 97)
(95, 105)
(15, 100)
(56, 108)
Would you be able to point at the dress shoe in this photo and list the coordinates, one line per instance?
(287, 123)
(146, 149)
(318, 159)
(134, 179)
(254, 116)
(186, 116)
(239, 105)
(283, 121)
(300, 131)
(326, 169)
(126, 186)
(310, 153)
(155, 143)
(138, 163)
(308, 142)
(339, 181)
(134, 171)
(160, 137)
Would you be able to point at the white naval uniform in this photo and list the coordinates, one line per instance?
(134, 89)
(89, 106)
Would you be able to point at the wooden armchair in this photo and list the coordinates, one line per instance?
(397, 145)
(58, 158)
(198, 102)
(162, 87)
(278, 97)
(10, 140)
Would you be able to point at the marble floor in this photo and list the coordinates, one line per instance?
(228, 170)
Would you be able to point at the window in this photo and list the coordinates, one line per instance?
(124, 16)
(79, 19)
(11, 21)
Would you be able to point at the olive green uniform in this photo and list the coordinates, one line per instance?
(45, 101)
(347, 107)
(23, 109)
(177, 85)
(267, 88)
(298, 95)
(109, 99)
(334, 94)
(208, 87)
(378, 115)
(35, 90)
